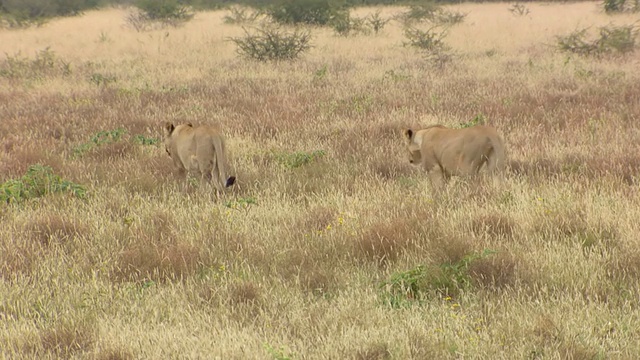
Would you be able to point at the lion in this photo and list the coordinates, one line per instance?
(199, 150)
(445, 152)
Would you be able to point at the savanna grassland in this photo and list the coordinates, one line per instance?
(330, 246)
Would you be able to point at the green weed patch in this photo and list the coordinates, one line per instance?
(38, 181)
(406, 288)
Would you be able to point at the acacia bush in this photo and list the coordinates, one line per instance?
(612, 40)
(430, 43)
(345, 25)
(161, 13)
(311, 12)
(273, 44)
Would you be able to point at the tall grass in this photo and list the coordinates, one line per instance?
(330, 245)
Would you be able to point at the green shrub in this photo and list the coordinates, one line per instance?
(161, 10)
(617, 39)
(43, 65)
(412, 286)
(611, 40)
(143, 140)
(38, 181)
(576, 43)
(273, 44)
(241, 203)
(100, 138)
(477, 120)
(241, 15)
(446, 17)
(430, 43)
(112, 136)
(299, 158)
(429, 12)
(345, 25)
(430, 40)
(418, 13)
(24, 13)
(615, 6)
(376, 22)
(404, 288)
(311, 12)
(159, 13)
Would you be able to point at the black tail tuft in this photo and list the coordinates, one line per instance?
(230, 181)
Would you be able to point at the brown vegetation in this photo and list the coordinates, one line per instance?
(298, 258)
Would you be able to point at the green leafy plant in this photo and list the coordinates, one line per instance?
(143, 140)
(273, 44)
(320, 73)
(454, 276)
(410, 287)
(100, 138)
(479, 119)
(404, 288)
(111, 136)
(277, 353)
(299, 158)
(241, 203)
(38, 181)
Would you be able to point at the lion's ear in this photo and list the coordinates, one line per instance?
(408, 133)
(169, 127)
(189, 124)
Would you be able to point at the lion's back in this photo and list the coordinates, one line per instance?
(198, 141)
(464, 150)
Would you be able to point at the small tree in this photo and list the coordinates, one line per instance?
(311, 12)
(241, 15)
(612, 40)
(163, 12)
(376, 22)
(345, 25)
(273, 44)
(430, 43)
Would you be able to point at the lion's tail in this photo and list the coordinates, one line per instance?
(498, 159)
(221, 163)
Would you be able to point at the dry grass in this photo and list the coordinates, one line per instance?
(290, 261)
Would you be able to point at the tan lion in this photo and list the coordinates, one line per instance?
(199, 150)
(445, 152)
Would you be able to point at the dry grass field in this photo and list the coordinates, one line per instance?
(331, 245)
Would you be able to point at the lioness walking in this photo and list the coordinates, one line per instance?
(444, 152)
(200, 150)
